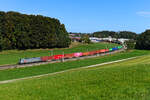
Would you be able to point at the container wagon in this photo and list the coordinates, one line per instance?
(68, 56)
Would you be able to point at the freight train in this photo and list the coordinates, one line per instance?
(67, 56)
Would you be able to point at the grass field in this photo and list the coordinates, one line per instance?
(128, 80)
(56, 67)
(13, 56)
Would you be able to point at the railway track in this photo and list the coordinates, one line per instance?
(41, 63)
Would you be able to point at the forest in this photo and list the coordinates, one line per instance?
(22, 31)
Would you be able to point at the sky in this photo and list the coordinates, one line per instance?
(88, 16)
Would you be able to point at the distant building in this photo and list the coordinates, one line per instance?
(123, 40)
(95, 39)
(76, 39)
(109, 39)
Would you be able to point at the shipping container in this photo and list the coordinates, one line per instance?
(50, 58)
(86, 53)
(98, 51)
(106, 50)
(57, 57)
(102, 51)
(92, 52)
(79, 54)
(45, 58)
(114, 49)
(119, 47)
(110, 49)
(67, 56)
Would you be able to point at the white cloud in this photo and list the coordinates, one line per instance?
(144, 13)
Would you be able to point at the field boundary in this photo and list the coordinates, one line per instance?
(85, 67)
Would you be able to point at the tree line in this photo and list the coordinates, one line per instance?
(22, 31)
(121, 34)
(113, 34)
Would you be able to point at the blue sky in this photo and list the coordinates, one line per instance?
(88, 15)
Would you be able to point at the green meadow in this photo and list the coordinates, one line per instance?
(127, 80)
(56, 67)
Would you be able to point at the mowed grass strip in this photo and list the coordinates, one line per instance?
(128, 80)
(56, 67)
(13, 56)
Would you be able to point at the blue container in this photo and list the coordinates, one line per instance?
(114, 49)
